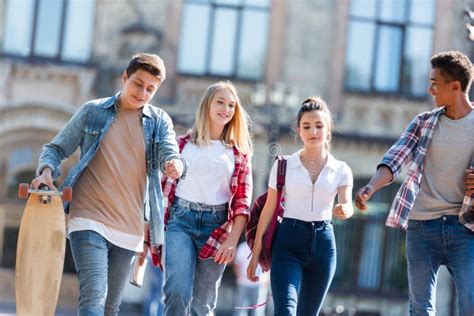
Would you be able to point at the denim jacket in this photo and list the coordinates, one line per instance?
(86, 130)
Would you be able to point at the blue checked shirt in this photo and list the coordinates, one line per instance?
(411, 149)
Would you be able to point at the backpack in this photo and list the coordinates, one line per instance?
(265, 259)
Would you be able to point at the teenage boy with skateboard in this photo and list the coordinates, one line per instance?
(125, 143)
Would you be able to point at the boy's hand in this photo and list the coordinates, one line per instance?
(146, 243)
(173, 168)
(142, 255)
(469, 181)
(343, 211)
(362, 196)
(45, 178)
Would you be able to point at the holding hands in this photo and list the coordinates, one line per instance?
(174, 168)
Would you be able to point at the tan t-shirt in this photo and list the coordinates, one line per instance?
(111, 189)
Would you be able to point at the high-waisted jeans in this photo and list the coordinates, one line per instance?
(303, 266)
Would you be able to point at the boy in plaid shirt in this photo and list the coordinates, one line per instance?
(434, 203)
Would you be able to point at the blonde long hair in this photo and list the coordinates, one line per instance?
(236, 132)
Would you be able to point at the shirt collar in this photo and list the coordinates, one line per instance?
(114, 101)
(331, 163)
(147, 110)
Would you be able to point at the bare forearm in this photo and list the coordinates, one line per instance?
(264, 221)
(47, 171)
(237, 227)
(381, 178)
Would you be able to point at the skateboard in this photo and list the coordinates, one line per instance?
(40, 250)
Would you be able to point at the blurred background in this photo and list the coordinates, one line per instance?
(369, 59)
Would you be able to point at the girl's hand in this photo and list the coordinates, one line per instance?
(343, 211)
(252, 267)
(226, 252)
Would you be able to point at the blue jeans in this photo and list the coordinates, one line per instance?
(442, 241)
(303, 266)
(103, 270)
(153, 303)
(246, 296)
(190, 283)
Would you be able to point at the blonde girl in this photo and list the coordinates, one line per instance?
(207, 210)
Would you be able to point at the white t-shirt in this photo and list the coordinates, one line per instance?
(209, 173)
(303, 199)
(241, 263)
(118, 238)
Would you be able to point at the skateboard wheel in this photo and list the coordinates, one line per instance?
(67, 194)
(23, 189)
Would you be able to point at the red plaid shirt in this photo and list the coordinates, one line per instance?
(239, 204)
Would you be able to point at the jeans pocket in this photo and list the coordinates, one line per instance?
(177, 211)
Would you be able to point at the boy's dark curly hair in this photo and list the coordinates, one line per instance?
(454, 65)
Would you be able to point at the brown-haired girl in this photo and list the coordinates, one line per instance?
(304, 249)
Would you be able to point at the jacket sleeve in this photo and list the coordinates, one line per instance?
(403, 150)
(64, 144)
(167, 147)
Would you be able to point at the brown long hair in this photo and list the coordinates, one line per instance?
(316, 103)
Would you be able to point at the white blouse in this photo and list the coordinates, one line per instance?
(209, 173)
(303, 199)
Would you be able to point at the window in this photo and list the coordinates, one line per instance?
(371, 257)
(224, 38)
(58, 30)
(389, 46)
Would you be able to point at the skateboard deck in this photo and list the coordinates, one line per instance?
(40, 252)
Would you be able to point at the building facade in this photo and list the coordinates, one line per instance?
(368, 58)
